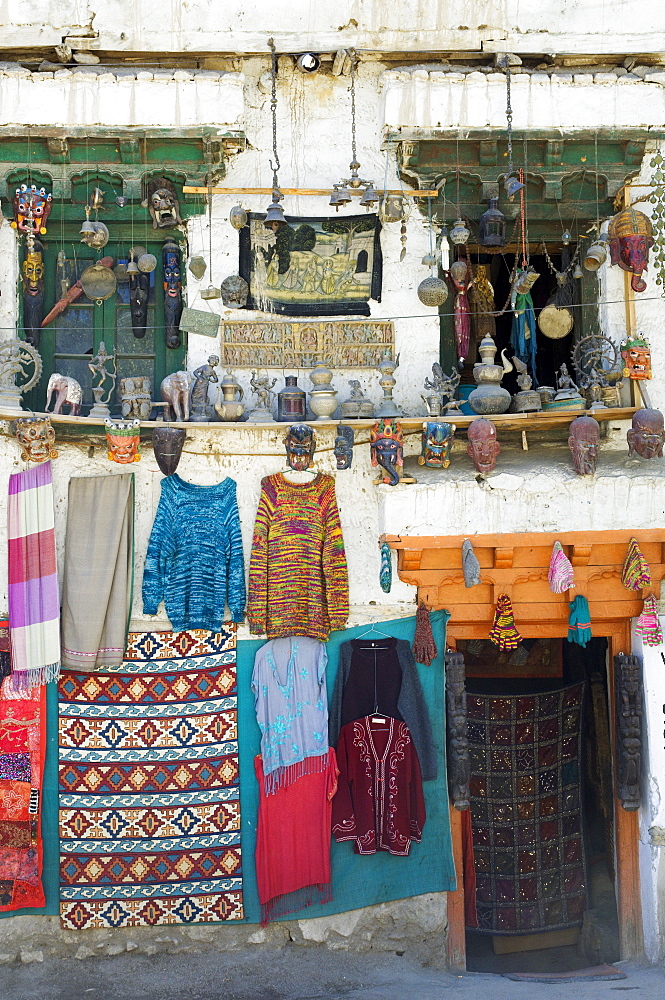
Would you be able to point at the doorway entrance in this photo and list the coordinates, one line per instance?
(539, 863)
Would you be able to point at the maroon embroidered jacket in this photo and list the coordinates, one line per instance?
(379, 802)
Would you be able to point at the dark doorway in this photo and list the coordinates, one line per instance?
(517, 702)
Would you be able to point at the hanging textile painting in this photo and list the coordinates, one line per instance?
(312, 266)
(148, 776)
(525, 810)
(22, 749)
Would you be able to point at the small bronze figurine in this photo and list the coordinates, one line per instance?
(583, 443)
(300, 442)
(436, 444)
(17, 358)
(203, 376)
(167, 443)
(344, 446)
(98, 370)
(36, 437)
(387, 451)
(483, 447)
(646, 436)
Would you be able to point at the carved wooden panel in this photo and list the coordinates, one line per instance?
(284, 344)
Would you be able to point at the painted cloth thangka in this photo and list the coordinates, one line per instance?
(22, 749)
(148, 777)
(526, 812)
(312, 266)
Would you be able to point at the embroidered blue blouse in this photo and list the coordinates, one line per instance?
(289, 685)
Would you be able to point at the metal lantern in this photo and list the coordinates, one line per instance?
(492, 226)
(459, 234)
(433, 291)
(391, 208)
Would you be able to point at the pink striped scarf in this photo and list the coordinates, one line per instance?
(34, 606)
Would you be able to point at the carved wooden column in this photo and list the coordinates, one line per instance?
(459, 767)
(628, 715)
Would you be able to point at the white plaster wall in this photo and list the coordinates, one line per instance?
(416, 25)
(652, 813)
(162, 99)
(561, 100)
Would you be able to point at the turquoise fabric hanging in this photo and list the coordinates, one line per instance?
(359, 880)
(524, 321)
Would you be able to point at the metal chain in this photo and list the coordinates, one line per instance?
(509, 119)
(550, 262)
(353, 108)
(273, 109)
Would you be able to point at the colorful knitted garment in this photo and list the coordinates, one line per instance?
(503, 632)
(386, 571)
(648, 624)
(560, 576)
(579, 621)
(298, 583)
(195, 561)
(635, 573)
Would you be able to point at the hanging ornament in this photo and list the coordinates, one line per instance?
(123, 438)
(275, 215)
(459, 234)
(503, 632)
(648, 624)
(238, 217)
(560, 576)
(146, 263)
(197, 267)
(386, 571)
(492, 226)
(355, 184)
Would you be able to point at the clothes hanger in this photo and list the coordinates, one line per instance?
(293, 475)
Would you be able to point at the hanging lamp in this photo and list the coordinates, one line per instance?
(275, 215)
(355, 184)
(511, 184)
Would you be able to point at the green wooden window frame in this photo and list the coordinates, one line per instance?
(108, 321)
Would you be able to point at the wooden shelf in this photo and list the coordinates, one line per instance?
(503, 421)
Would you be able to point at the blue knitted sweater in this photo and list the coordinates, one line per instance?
(194, 561)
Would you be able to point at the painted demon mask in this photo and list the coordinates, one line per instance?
(646, 435)
(437, 441)
(123, 439)
(300, 442)
(631, 236)
(32, 207)
(163, 204)
(584, 443)
(387, 449)
(36, 437)
(636, 356)
(483, 447)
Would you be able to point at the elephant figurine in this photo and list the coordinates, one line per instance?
(175, 391)
(67, 390)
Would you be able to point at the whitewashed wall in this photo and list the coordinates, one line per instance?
(413, 25)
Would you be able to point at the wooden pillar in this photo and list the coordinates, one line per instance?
(456, 936)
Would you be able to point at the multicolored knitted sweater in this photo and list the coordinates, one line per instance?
(195, 561)
(298, 582)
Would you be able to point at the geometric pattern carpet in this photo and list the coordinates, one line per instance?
(526, 813)
(148, 785)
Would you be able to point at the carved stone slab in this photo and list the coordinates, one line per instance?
(340, 343)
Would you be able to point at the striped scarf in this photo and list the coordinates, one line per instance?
(503, 632)
(34, 605)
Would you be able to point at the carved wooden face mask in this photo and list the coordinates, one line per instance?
(300, 444)
(36, 437)
(32, 207)
(437, 441)
(167, 443)
(123, 439)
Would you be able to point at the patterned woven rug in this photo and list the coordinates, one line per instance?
(525, 809)
(148, 777)
(21, 768)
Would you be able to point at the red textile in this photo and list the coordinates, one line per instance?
(293, 841)
(22, 751)
(379, 802)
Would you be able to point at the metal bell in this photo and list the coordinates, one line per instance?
(512, 187)
(87, 229)
(343, 195)
(275, 216)
(132, 267)
(369, 197)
